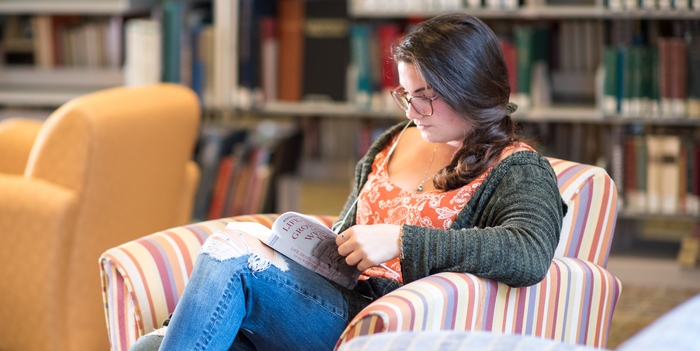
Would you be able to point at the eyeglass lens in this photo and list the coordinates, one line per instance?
(421, 105)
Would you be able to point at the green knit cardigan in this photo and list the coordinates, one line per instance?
(508, 231)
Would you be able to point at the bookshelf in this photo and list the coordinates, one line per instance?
(230, 92)
(93, 7)
(610, 129)
(31, 85)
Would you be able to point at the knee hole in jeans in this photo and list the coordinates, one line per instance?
(221, 247)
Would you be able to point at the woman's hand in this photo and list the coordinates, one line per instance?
(366, 246)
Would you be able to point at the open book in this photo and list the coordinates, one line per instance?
(308, 242)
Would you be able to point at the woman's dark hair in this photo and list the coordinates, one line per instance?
(461, 59)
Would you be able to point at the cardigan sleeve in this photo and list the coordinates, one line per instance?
(510, 233)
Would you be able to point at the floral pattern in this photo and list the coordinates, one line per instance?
(381, 201)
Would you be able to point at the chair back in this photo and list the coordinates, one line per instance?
(126, 155)
(589, 224)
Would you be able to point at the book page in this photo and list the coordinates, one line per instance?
(310, 243)
(303, 232)
(257, 230)
(307, 241)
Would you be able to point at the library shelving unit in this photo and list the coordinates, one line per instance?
(31, 86)
(611, 129)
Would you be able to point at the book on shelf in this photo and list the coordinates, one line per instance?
(532, 46)
(691, 203)
(222, 187)
(290, 17)
(203, 62)
(610, 87)
(523, 37)
(306, 241)
(143, 53)
(669, 174)
(215, 142)
(510, 55)
(387, 34)
(249, 48)
(173, 22)
(694, 77)
(326, 51)
(249, 182)
(43, 41)
(654, 173)
(636, 171)
(56, 41)
(269, 51)
(672, 76)
(361, 84)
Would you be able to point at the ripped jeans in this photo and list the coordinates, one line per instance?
(236, 300)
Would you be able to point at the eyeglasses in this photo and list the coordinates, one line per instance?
(422, 105)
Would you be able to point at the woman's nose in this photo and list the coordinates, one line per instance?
(412, 114)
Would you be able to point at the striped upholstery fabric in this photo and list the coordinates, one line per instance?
(574, 303)
(454, 341)
(589, 224)
(143, 279)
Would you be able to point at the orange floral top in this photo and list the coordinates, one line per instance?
(380, 201)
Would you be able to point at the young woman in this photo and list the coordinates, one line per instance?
(452, 189)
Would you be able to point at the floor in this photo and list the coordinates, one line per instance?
(652, 263)
(653, 283)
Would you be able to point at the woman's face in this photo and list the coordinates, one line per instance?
(445, 125)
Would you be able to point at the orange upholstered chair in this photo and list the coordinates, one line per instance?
(103, 169)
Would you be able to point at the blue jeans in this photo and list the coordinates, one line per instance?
(248, 303)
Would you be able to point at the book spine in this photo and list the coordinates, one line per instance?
(510, 56)
(610, 101)
(269, 51)
(360, 66)
(290, 14)
(524, 37)
(173, 13)
(694, 78)
(143, 52)
(325, 31)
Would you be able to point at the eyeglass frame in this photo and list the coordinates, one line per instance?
(396, 94)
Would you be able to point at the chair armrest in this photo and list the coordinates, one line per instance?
(40, 214)
(17, 136)
(554, 308)
(142, 280)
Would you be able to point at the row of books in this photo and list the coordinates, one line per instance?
(416, 6)
(263, 168)
(632, 5)
(661, 174)
(656, 170)
(653, 81)
(240, 167)
(50, 41)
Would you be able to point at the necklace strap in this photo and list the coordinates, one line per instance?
(420, 186)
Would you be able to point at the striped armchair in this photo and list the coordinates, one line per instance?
(143, 279)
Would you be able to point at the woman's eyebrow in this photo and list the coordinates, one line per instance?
(421, 89)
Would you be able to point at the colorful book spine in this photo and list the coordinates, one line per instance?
(290, 16)
(360, 65)
(610, 103)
